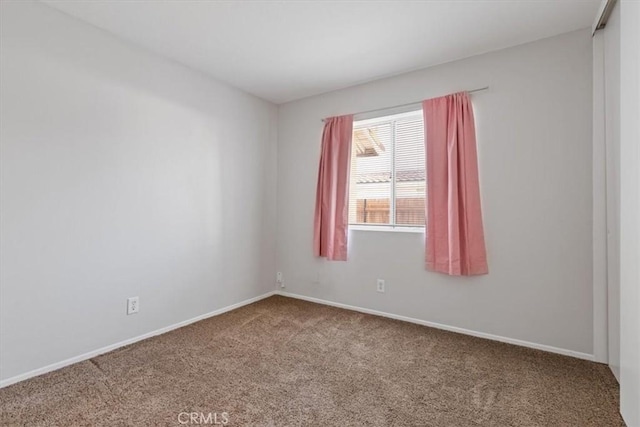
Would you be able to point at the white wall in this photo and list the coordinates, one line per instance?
(630, 212)
(534, 136)
(123, 174)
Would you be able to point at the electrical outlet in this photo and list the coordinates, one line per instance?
(133, 305)
(380, 285)
(279, 279)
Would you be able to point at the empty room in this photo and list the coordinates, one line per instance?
(320, 213)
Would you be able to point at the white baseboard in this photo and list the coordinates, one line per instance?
(94, 353)
(521, 343)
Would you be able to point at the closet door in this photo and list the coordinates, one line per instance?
(612, 143)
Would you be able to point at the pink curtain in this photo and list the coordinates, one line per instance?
(332, 194)
(455, 237)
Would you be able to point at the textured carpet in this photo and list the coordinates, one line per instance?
(284, 362)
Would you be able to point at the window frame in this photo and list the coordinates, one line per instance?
(393, 118)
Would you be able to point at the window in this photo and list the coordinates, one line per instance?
(387, 185)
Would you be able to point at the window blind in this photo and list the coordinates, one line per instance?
(387, 180)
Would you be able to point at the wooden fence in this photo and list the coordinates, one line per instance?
(409, 211)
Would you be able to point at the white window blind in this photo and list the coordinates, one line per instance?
(387, 180)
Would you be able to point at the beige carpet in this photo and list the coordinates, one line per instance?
(284, 362)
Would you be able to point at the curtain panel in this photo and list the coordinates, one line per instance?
(331, 221)
(454, 232)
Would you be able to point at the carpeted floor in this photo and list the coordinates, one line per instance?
(284, 362)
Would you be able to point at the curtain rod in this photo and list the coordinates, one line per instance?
(410, 103)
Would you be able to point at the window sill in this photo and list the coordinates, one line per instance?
(387, 228)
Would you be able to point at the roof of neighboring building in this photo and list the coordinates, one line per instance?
(401, 176)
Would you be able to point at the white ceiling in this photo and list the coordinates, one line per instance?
(286, 50)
